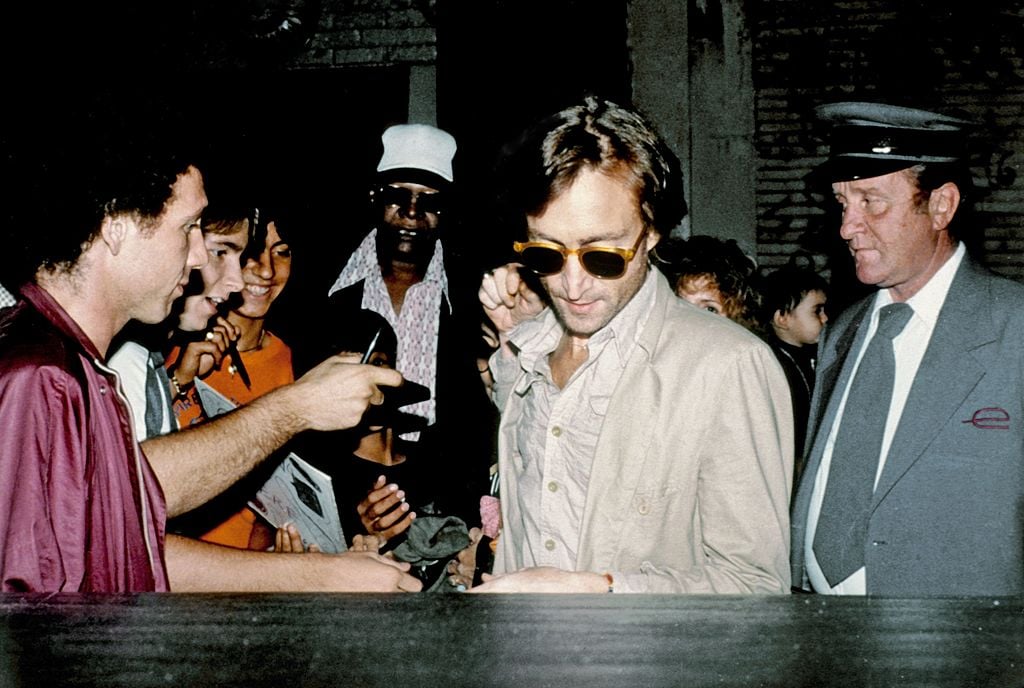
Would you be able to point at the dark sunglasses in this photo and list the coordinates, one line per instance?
(423, 201)
(603, 262)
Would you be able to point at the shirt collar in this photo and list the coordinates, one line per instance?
(928, 301)
(625, 328)
(363, 263)
(539, 336)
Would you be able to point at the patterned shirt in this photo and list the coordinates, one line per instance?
(418, 324)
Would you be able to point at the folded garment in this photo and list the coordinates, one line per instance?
(430, 538)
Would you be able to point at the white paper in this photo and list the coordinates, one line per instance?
(300, 494)
(296, 492)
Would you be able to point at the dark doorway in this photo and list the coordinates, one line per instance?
(503, 65)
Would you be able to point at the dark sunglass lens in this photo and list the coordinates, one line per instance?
(543, 261)
(430, 203)
(603, 263)
(396, 195)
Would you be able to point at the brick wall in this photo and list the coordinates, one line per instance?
(947, 55)
(372, 33)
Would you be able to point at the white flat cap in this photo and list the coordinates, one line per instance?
(418, 147)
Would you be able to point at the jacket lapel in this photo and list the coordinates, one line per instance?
(622, 447)
(949, 370)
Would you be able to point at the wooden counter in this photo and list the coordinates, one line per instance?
(435, 640)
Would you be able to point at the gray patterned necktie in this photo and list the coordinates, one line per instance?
(843, 521)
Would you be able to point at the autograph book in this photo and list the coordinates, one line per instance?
(295, 493)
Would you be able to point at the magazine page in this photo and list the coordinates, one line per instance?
(296, 492)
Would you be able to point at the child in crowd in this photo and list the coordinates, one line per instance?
(712, 274)
(792, 315)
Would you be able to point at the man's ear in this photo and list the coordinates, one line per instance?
(942, 205)
(653, 239)
(113, 231)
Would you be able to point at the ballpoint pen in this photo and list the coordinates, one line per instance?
(236, 365)
(369, 349)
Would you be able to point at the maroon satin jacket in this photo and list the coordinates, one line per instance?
(80, 507)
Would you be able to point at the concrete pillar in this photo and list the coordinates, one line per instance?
(692, 73)
(657, 36)
(423, 94)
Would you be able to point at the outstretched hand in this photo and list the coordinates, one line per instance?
(335, 394)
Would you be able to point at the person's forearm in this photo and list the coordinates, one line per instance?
(546, 579)
(199, 462)
(195, 566)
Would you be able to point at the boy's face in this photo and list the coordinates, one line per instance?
(802, 325)
(222, 277)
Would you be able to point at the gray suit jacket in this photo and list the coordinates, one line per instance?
(948, 513)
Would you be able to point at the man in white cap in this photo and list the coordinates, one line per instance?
(914, 483)
(404, 271)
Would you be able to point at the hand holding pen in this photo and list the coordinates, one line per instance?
(200, 356)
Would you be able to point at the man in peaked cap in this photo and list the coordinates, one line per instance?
(404, 271)
(926, 498)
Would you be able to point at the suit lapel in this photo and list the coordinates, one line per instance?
(948, 372)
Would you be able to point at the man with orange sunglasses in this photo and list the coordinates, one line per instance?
(645, 445)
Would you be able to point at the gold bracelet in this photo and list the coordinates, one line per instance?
(181, 391)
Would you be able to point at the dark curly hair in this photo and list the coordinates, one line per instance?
(81, 169)
(784, 289)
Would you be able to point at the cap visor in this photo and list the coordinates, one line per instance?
(851, 168)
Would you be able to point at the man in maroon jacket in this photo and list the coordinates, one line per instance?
(114, 233)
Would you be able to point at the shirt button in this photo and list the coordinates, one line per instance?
(549, 545)
(103, 390)
(556, 431)
(553, 486)
(643, 508)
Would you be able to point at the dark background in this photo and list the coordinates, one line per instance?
(310, 135)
